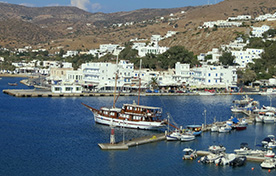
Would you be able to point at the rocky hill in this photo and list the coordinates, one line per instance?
(73, 28)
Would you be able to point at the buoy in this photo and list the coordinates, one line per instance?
(269, 170)
(198, 161)
(252, 168)
(217, 164)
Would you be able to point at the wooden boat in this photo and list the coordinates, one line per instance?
(195, 129)
(12, 84)
(129, 115)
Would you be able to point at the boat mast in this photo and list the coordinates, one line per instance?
(139, 82)
(116, 77)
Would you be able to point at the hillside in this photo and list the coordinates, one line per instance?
(73, 28)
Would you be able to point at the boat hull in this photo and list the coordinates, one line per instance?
(128, 124)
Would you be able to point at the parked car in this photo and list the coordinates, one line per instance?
(179, 91)
(148, 91)
(171, 91)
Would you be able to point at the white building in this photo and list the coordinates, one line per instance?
(66, 88)
(258, 31)
(240, 18)
(244, 57)
(206, 76)
(108, 47)
(221, 23)
(142, 51)
(102, 74)
(267, 16)
(70, 54)
(215, 53)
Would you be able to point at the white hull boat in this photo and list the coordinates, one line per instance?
(268, 163)
(187, 137)
(189, 154)
(214, 128)
(174, 136)
(269, 117)
(216, 149)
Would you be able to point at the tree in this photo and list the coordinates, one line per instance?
(128, 53)
(248, 76)
(227, 58)
(153, 83)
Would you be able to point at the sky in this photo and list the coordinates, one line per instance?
(110, 6)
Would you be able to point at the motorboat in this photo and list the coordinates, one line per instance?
(268, 163)
(238, 161)
(216, 149)
(225, 129)
(185, 137)
(245, 150)
(269, 91)
(214, 128)
(225, 159)
(269, 142)
(269, 117)
(173, 136)
(210, 158)
(189, 154)
(269, 154)
(206, 93)
(240, 127)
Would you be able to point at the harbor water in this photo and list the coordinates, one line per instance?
(58, 136)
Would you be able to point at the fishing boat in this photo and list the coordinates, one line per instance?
(134, 115)
(174, 136)
(187, 137)
(189, 154)
(195, 129)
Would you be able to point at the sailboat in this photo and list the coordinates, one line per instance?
(129, 115)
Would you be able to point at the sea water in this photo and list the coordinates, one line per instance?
(58, 136)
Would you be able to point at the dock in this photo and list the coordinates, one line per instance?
(47, 93)
(133, 142)
(248, 157)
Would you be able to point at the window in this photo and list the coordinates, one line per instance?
(67, 88)
(57, 88)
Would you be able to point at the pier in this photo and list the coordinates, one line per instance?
(248, 157)
(133, 142)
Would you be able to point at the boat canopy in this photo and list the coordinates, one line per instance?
(235, 120)
(144, 107)
(111, 109)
